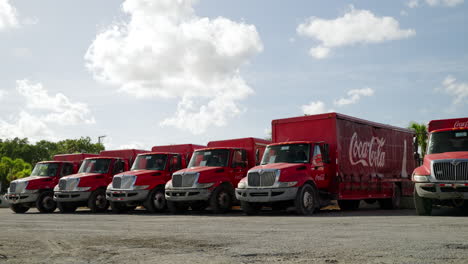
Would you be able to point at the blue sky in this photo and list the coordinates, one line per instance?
(159, 72)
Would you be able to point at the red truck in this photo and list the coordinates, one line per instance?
(37, 189)
(88, 186)
(443, 177)
(144, 183)
(212, 174)
(319, 158)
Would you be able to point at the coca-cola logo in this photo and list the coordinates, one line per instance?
(460, 124)
(367, 153)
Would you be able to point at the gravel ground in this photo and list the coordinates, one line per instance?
(365, 236)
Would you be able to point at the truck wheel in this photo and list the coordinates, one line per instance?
(156, 201)
(199, 206)
(177, 207)
(45, 202)
(349, 205)
(66, 208)
(423, 205)
(394, 202)
(221, 200)
(251, 208)
(97, 201)
(19, 208)
(306, 200)
(118, 207)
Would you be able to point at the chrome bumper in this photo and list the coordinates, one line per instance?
(71, 196)
(265, 195)
(18, 198)
(442, 191)
(126, 195)
(187, 195)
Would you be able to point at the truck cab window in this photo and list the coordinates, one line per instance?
(67, 169)
(317, 157)
(118, 167)
(176, 163)
(239, 159)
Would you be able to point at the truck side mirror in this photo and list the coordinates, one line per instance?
(326, 153)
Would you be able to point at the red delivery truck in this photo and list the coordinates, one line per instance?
(144, 183)
(443, 177)
(318, 158)
(212, 175)
(88, 186)
(37, 189)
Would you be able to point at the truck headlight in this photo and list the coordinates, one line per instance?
(168, 184)
(56, 188)
(204, 185)
(420, 178)
(109, 186)
(242, 185)
(82, 189)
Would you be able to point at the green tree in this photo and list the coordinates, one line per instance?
(421, 136)
(81, 145)
(12, 169)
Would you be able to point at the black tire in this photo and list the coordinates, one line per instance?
(251, 208)
(66, 208)
(199, 206)
(221, 200)
(177, 207)
(394, 202)
(45, 202)
(97, 201)
(19, 208)
(119, 207)
(423, 205)
(349, 205)
(306, 201)
(156, 201)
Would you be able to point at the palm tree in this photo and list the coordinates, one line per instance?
(421, 136)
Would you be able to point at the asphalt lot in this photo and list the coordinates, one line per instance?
(366, 236)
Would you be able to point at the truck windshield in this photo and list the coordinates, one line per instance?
(45, 169)
(210, 158)
(150, 162)
(448, 141)
(95, 166)
(292, 153)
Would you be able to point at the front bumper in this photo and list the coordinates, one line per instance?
(442, 191)
(187, 195)
(71, 196)
(265, 195)
(19, 198)
(126, 195)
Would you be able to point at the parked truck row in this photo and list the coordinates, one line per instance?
(310, 162)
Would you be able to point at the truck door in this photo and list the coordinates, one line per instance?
(317, 166)
(175, 164)
(239, 165)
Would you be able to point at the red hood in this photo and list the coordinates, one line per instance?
(38, 182)
(198, 169)
(280, 166)
(140, 172)
(82, 175)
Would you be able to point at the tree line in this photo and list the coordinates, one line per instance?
(18, 155)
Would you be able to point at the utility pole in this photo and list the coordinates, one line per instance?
(99, 138)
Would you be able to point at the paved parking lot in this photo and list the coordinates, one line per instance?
(365, 236)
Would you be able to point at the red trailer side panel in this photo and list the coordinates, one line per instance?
(73, 157)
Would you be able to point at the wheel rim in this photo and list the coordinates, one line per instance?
(48, 203)
(159, 200)
(223, 199)
(308, 200)
(101, 201)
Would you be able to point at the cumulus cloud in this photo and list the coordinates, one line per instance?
(354, 96)
(412, 3)
(165, 50)
(459, 91)
(449, 3)
(315, 108)
(8, 15)
(354, 27)
(25, 125)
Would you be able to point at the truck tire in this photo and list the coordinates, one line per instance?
(45, 202)
(97, 201)
(423, 205)
(349, 205)
(119, 208)
(66, 208)
(177, 207)
(221, 200)
(394, 202)
(306, 200)
(251, 208)
(156, 201)
(19, 208)
(199, 206)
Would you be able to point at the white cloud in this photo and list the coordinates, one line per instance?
(8, 15)
(412, 3)
(459, 91)
(60, 109)
(354, 27)
(354, 96)
(315, 108)
(25, 125)
(2, 94)
(165, 50)
(449, 3)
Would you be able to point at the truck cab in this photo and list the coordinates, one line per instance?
(442, 179)
(212, 174)
(88, 186)
(285, 167)
(37, 189)
(144, 183)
